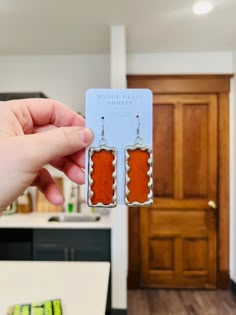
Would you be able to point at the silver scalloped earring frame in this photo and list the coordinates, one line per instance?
(102, 174)
(134, 186)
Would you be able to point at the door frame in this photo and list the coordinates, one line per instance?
(193, 84)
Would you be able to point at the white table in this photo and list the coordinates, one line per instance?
(82, 286)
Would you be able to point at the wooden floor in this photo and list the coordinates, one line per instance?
(181, 302)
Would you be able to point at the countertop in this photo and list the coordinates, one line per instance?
(37, 220)
(81, 286)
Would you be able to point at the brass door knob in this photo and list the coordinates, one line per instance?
(212, 204)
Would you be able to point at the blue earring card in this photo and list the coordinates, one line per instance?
(116, 110)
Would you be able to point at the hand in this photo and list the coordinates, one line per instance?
(33, 133)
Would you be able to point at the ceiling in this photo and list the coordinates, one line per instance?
(82, 26)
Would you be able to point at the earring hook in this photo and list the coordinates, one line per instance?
(138, 139)
(102, 140)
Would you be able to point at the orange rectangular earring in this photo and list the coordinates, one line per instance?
(102, 175)
(138, 173)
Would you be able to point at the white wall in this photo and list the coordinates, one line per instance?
(180, 63)
(65, 78)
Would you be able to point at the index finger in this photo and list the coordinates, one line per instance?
(44, 112)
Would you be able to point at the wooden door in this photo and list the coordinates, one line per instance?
(178, 233)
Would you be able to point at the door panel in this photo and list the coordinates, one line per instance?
(163, 150)
(178, 233)
(195, 121)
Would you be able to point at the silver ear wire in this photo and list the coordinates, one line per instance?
(102, 140)
(138, 139)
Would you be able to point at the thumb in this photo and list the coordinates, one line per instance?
(46, 146)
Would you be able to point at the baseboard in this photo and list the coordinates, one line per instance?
(233, 287)
(223, 280)
(119, 312)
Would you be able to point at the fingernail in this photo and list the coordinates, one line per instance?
(87, 135)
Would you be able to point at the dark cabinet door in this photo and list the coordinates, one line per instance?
(15, 244)
(78, 254)
(91, 245)
(17, 96)
(51, 252)
(73, 245)
(15, 251)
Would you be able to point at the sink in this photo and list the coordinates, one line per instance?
(74, 218)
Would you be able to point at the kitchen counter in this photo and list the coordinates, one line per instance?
(82, 286)
(37, 220)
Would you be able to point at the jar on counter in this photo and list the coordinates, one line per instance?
(11, 209)
(24, 202)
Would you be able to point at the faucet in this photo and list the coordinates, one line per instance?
(79, 200)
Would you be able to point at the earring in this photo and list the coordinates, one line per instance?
(138, 172)
(102, 174)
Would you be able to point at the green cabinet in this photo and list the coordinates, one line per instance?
(55, 244)
(50, 252)
(72, 245)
